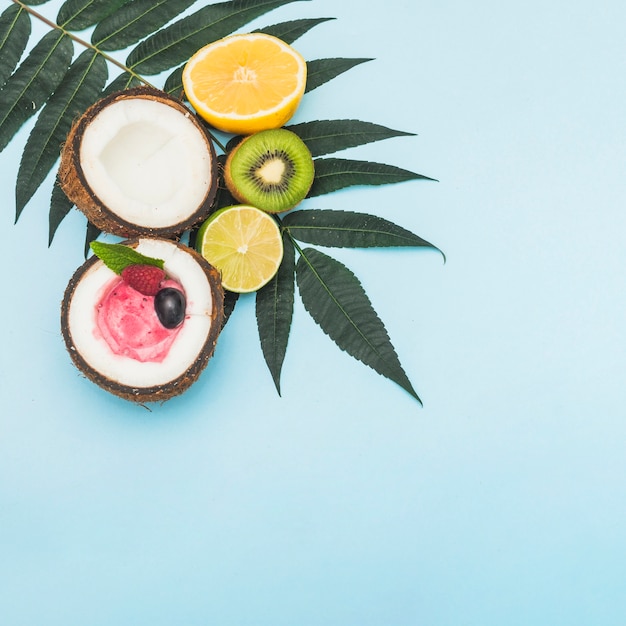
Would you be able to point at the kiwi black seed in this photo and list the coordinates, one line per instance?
(271, 170)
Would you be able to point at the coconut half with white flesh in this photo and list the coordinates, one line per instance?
(121, 346)
(139, 162)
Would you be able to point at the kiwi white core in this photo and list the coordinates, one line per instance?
(147, 162)
(272, 171)
(189, 342)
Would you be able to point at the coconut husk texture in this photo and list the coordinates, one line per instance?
(76, 188)
(175, 387)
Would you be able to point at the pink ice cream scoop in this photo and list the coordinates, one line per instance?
(130, 325)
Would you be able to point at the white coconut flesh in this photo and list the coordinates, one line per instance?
(191, 337)
(147, 162)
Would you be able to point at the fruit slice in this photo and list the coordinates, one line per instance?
(116, 336)
(244, 244)
(138, 162)
(245, 83)
(272, 170)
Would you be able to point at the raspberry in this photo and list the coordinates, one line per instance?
(146, 279)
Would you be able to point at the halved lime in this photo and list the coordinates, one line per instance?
(244, 244)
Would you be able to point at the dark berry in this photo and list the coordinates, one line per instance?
(169, 304)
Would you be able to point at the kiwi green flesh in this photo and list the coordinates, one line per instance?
(272, 170)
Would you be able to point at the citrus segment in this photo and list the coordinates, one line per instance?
(244, 244)
(245, 83)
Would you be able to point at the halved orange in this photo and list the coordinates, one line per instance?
(245, 83)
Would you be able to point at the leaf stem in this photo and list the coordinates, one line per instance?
(81, 42)
(285, 229)
(216, 141)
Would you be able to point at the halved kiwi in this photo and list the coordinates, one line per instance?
(271, 170)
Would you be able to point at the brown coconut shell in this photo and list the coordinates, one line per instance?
(77, 189)
(157, 393)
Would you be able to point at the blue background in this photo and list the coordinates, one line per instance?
(502, 501)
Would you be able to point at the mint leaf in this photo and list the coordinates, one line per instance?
(117, 256)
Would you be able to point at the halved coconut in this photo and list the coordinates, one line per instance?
(137, 378)
(139, 162)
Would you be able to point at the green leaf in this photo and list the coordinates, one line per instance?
(335, 299)
(33, 82)
(60, 206)
(134, 21)
(174, 82)
(80, 88)
(34, 3)
(14, 33)
(333, 174)
(274, 311)
(292, 30)
(117, 256)
(223, 197)
(176, 43)
(81, 14)
(91, 234)
(327, 136)
(320, 71)
(348, 229)
(232, 142)
(121, 82)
